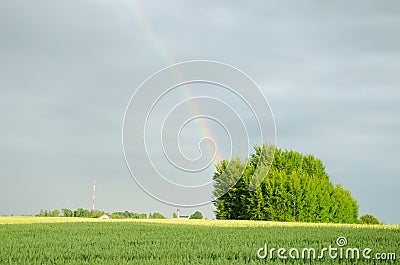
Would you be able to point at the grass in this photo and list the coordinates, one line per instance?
(53, 240)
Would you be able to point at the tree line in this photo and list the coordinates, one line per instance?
(80, 212)
(296, 188)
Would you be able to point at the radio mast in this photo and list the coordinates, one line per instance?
(94, 194)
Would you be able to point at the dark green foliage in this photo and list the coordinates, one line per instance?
(96, 213)
(80, 212)
(196, 215)
(156, 215)
(48, 213)
(67, 212)
(55, 213)
(126, 214)
(174, 215)
(369, 219)
(296, 188)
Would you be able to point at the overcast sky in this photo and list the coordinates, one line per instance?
(330, 72)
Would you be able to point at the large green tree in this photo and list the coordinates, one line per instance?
(295, 188)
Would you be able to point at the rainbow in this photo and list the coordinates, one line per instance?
(144, 23)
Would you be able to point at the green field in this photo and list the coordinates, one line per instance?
(34, 240)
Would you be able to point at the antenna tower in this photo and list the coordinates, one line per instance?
(94, 193)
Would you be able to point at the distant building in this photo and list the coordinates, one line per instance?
(104, 216)
(179, 216)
